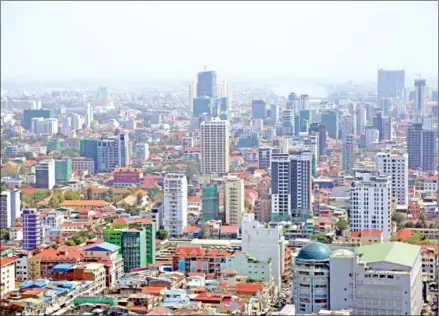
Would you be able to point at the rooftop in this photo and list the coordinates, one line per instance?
(394, 252)
(314, 251)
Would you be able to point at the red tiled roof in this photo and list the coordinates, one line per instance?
(193, 149)
(229, 229)
(194, 199)
(190, 229)
(249, 287)
(154, 290)
(4, 261)
(403, 234)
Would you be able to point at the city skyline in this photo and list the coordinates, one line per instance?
(142, 46)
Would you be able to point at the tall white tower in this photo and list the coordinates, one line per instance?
(215, 147)
(419, 106)
(175, 204)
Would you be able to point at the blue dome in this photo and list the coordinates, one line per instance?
(314, 251)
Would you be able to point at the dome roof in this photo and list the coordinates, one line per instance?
(314, 251)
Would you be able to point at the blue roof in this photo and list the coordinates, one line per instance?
(314, 251)
(28, 284)
(63, 267)
(105, 246)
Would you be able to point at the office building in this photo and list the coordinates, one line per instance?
(210, 203)
(274, 114)
(361, 120)
(31, 229)
(391, 84)
(421, 148)
(5, 210)
(291, 185)
(384, 126)
(304, 102)
(89, 148)
(395, 166)
(133, 248)
(224, 90)
(420, 100)
(264, 242)
(206, 84)
(141, 151)
(37, 125)
(311, 279)
(83, 164)
(89, 115)
(372, 135)
(287, 122)
(45, 174)
(192, 90)
(50, 126)
(107, 157)
(330, 119)
(28, 115)
(63, 170)
(175, 204)
(264, 158)
(258, 125)
(233, 200)
(348, 154)
(322, 132)
(204, 105)
(370, 203)
(215, 147)
(378, 279)
(347, 125)
(259, 109)
(293, 102)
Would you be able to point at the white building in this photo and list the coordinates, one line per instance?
(54, 219)
(7, 275)
(370, 203)
(379, 279)
(258, 124)
(395, 166)
(215, 147)
(311, 278)
(263, 243)
(5, 209)
(347, 125)
(348, 153)
(89, 114)
(372, 135)
(37, 125)
(50, 126)
(141, 151)
(175, 204)
(233, 199)
(224, 90)
(45, 174)
(420, 100)
(83, 163)
(361, 117)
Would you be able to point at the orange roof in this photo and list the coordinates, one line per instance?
(128, 169)
(193, 149)
(30, 163)
(195, 199)
(121, 221)
(60, 255)
(229, 229)
(85, 203)
(190, 229)
(371, 232)
(249, 287)
(403, 234)
(154, 290)
(4, 261)
(32, 190)
(145, 221)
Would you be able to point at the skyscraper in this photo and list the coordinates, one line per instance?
(391, 84)
(304, 102)
(361, 120)
(348, 153)
(421, 148)
(288, 122)
(31, 229)
(210, 203)
(322, 132)
(395, 166)
(206, 84)
(89, 114)
(330, 119)
(175, 204)
(233, 200)
(192, 90)
(420, 99)
(368, 211)
(384, 126)
(274, 113)
(264, 158)
(259, 109)
(293, 102)
(291, 185)
(224, 90)
(215, 147)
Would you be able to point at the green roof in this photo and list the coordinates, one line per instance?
(394, 252)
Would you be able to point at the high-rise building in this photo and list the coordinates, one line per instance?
(291, 185)
(89, 148)
(206, 84)
(107, 157)
(124, 150)
(421, 148)
(31, 229)
(5, 210)
(293, 102)
(321, 131)
(435, 96)
(133, 248)
(348, 153)
(141, 151)
(45, 174)
(259, 109)
(224, 90)
(370, 203)
(192, 89)
(274, 113)
(347, 125)
(420, 99)
(372, 135)
(288, 122)
(215, 147)
(391, 83)
(395, 166)
(264, 158)
(384, 126)
(361, 120)
(89, 114)
(63, 170)
(263, 242)
(28, 115)
(175, 204)
(330, 119)
(50, 126)
(233, 200)
(37, 125)
(304, 102)
(210, 203)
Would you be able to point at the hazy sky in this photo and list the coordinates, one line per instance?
(121, 40)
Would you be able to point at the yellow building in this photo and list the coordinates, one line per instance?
(233, 200)
(7, 283)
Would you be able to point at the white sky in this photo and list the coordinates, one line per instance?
(177, 39)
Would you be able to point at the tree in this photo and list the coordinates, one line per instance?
(56, 199)
(419, 224)
(72, 195)
(192, 170)
(139, 199)
(204, 233)
(162, 234)
(342, 224)
(4, 187)
(399, 218)
(323, 239)
(409, 225)
(70, 242)
(70, 152)
(89, 193)
(247, 205)
(4, 234)
(108, 196)
(415, 238)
